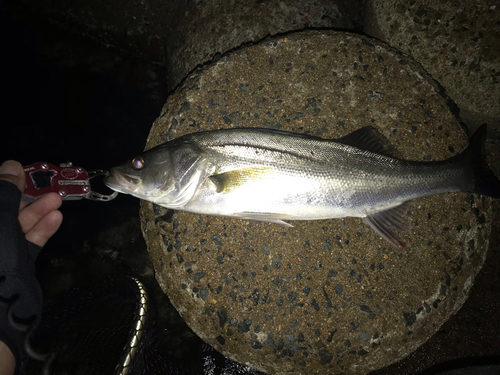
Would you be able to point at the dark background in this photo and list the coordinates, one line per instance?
(69, 99)
(56, 110)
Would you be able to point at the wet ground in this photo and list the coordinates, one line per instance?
(55, 110)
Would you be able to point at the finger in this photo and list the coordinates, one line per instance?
(45, 228)
(33, 213)
(13, 171)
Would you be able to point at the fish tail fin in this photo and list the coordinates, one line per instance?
(485, 182)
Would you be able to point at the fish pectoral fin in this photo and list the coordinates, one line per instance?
(263, 216)
(232, 180)
(385, 222)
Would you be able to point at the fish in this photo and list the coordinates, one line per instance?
(277, 176)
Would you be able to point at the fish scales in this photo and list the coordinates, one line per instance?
(333, 180)
(268, 175)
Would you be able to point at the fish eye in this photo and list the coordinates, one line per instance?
(138, 163)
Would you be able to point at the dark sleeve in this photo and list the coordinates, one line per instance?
(20, 293)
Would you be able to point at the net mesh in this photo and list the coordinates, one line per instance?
(109, 328)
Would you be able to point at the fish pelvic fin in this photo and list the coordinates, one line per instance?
(386, 222)
(263, 216)
(485, 182)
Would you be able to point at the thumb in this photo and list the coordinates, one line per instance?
(13, 171)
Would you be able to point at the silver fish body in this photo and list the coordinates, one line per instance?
(267, 175)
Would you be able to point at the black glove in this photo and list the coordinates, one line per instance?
(20, 293)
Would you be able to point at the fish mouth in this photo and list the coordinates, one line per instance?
(121, 182)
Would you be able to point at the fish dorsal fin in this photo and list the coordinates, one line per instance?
(238, 178)
(369, 139)
(385, 222)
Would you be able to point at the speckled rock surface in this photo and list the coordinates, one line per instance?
(456, 42)
(208, 30)
(324, 296)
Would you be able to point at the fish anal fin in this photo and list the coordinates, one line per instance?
(245, 177)
(386, 222)
(369, 139)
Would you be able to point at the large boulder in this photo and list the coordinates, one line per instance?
(457, 42)
(325, 296)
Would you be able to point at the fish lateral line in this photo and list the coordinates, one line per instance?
(355, 175)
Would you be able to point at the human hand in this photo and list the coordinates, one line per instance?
(40, 219)
(37, 221)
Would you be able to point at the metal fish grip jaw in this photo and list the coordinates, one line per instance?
(69, 181)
